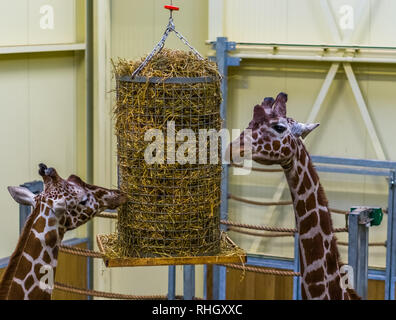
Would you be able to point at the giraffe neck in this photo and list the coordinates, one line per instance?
(319, 257)
(34, 259)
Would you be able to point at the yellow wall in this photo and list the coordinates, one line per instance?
(42, 103)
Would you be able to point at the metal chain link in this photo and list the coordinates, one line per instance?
(160, 45)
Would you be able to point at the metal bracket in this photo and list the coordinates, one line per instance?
(233, 61)
(231, 46)
(391, 182)
(369, 216)
(365, 219)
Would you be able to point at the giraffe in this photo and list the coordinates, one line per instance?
(63, 205)
(276, 139)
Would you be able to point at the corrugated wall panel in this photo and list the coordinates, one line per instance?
(42, 98)
(360, 22)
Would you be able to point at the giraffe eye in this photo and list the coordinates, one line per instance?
(84, 201)
(279, 128)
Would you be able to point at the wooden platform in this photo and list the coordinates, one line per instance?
(230, 253)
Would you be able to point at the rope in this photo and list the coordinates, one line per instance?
(256, 169)
(372, 244)
(266, 228)
(258, 227)
(279, 203)
(262, 270)
(260, 234)
(332, 210)
(339, 230)
(107, 215)
(80, 252)
(101, 294)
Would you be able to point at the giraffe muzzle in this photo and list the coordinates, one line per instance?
(42, 169)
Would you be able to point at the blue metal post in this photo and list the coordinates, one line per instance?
(171, 282)
(390, 271)
(222, 47)
(188, 282)
(296, 279)
(358, 228)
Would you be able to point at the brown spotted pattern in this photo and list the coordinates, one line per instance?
(63, 205)
(276, 139)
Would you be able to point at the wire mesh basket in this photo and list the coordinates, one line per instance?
(173, 208)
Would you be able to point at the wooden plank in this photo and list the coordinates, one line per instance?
(165, 261)
(376, 290)
(257, 286)
(71, 270)
(221, 258)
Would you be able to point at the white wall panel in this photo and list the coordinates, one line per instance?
(38, 124)
(24, 22)
(39, 100)
(14, 145)
(41, 31)
(304, 21)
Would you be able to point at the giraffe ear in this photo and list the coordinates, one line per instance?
(302, 129)
(22, 195)
(258, 113)
(279, 106)
(268, 102)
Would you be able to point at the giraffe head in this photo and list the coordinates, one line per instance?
(272, 136)
(72, 201)
(63, 205)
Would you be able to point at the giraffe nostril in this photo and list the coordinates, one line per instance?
(42, 168)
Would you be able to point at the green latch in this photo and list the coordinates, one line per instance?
(374, 215)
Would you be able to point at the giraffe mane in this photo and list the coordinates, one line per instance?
(6, 281)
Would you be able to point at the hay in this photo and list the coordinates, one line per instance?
(169, 64)
(111, 249)
(173, 209)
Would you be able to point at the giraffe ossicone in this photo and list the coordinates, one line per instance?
(275, 138)
(64, 205)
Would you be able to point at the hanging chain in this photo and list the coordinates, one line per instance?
(170, 28)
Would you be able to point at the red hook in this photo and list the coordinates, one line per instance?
(171, 8)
